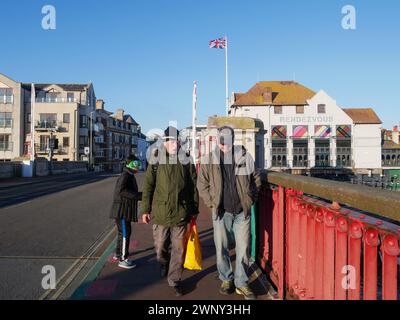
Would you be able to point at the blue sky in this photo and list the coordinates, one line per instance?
(144, 55)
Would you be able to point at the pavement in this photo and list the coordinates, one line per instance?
(108, 281)
(61, 221)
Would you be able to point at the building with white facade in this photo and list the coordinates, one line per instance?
(306, 130)
(142, 146)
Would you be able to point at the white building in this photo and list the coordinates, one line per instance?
(307, 130)
(142, 146)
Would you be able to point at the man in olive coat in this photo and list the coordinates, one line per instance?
(170, 201)
(228, 183)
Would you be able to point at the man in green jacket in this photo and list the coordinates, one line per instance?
(170, 201)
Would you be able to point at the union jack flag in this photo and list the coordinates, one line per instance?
(218, 43)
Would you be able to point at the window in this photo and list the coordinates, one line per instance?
(278, 109)
(48, 117)
(6, 95)
(70, 97)
(83, 121)
(5, 142)
(5, 119)
(66, 118)
(47, 120)
(52, 96)
(83, 141)
(44, 142)
(321, 108)
(299, 109)
(65, 141)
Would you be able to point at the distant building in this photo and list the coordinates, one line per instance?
(69, 120)
(143, 145)
(61, 113)
(390, 149)
(11, 118)
(305, 130)
(100, 120)
(122, 139)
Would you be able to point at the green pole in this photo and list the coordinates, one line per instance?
(253, 232)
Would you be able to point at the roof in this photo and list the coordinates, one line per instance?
(388, 144)
(278, 92)
(235, 122)
(363, 116)
(64, 86)
(130, 118)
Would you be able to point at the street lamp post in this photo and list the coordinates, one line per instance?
(91, 140)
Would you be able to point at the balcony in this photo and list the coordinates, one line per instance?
(323, 150)
(6, 99)
(6, 146)
(300, 162)
(279, 150)
(391, 159)
(343, 150)
(43, 148)
(52, 125)
(59, 100)
(300, 150)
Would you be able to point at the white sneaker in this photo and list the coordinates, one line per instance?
(126, 264)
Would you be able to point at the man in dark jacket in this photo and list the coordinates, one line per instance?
(170, 200)
(124, 210)
(229, 184)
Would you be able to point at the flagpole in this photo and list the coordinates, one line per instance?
(194, 101)
(226, 75)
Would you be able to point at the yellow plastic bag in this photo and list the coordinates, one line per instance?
(193, 258)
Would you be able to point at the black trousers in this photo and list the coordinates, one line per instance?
(123, 238)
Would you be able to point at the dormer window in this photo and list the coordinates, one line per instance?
(277, 109)
(321, 108)
(299, 109)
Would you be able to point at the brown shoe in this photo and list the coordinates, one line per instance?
(227, 287)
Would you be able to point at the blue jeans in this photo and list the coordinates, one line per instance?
(240, 227)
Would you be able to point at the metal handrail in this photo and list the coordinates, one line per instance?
(381, 202)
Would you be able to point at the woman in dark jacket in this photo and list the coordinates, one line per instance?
(124, 210)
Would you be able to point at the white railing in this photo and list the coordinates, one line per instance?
(59, 100)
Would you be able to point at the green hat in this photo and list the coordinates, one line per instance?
(135, 164)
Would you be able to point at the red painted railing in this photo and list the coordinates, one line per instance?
(312, 249)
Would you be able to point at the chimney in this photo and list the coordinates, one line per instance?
(119, 114)
(267, 95)
(100, 104)
(395, 134)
